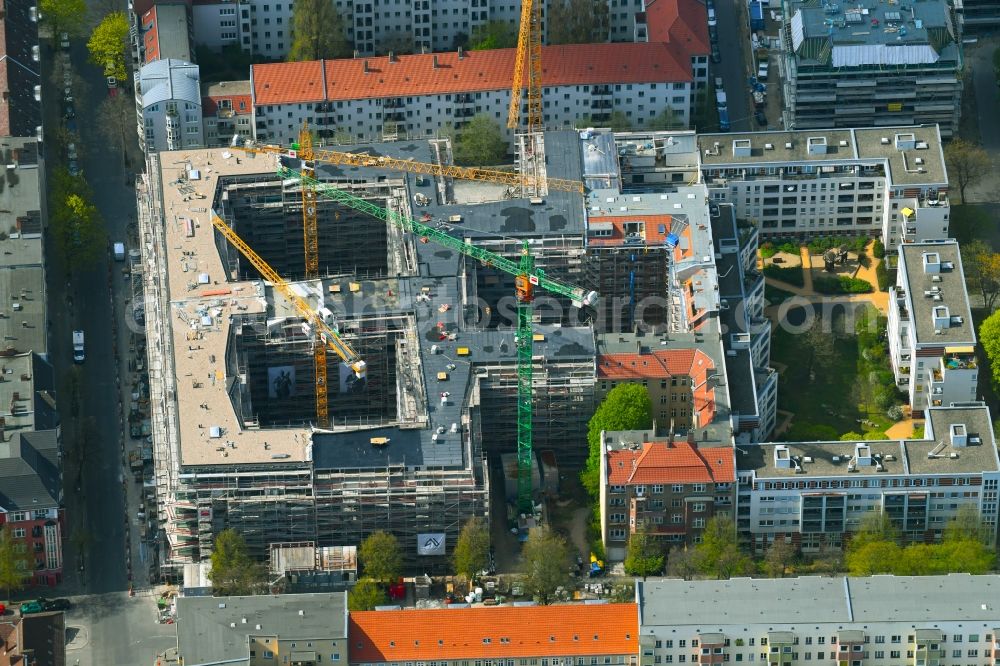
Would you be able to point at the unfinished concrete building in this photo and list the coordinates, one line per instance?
(232, 375)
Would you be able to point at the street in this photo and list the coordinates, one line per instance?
(733, 47)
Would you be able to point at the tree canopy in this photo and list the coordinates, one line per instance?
(719, 552)
(967, 163)
(13, 562)
(472, 551)
(644, 556)
(366, 595)
(982, 271)
(480, 142)
(107, 45)
(234, 571)
(546, 562)
(625, 407)
(779, 557)
(318, 31)
(381, 557)
(989, 338)
(64, 16)
(577, 21)
(494, 34)
(77, 227)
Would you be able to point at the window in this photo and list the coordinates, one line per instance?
(698, 487)
(895, 639)
(18, 532)
(698, 523)
(657, 489)
(698, 507)
(677, 488)
(18, 516)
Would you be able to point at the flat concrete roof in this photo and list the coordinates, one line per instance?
(949, 285)
(766, 602)
(780, 150)
(903, 163)
(213, 630)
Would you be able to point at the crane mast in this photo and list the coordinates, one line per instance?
(526, 278)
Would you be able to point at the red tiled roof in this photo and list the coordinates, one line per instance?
(491, 633)
(662, 462)
(571, 64)
(683, 23)
(210, 104)
(659, 363)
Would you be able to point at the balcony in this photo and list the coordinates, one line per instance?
(601, 90)
(225, 113)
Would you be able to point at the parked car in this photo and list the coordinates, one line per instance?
(64, 40)
(71, 151)
(718, 83)
(57, 605)
(713, 33)
(711, 17)
(761, 118)
(74, 167)
(69, 111)
(762, 71)
(716, 56)
(29, 607)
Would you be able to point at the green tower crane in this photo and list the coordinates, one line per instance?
(526, 278)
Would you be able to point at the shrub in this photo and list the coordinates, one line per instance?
(895, 413)
(841, 285)
(878, 249)
(788, 247)
(767, 250)
(884, 277)
(791, 275)
(856, 244)
(864, 260)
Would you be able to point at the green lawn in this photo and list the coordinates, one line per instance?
(776, 296)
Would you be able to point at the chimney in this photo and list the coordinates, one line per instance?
(435, 61)
(392, 57)
(356, 54)
(461, 53)
(423, 49)
(959, 435)
(366, 66)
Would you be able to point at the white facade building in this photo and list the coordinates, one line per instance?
(812, 493)
(888, 182)
(932, 341)
(168, 106)
(874, 621)
(421, 95)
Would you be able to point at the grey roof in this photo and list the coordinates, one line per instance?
(172, 32)
(932, 455)
(23, 328)
(164, 80)
(791, 148)
(712, 604)
(952, 291)
(45, 636)
(30, 477)
(20, 112)
(205, 634)
(870, 33)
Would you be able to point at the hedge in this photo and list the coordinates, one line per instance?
(792, 275)
(842, 285)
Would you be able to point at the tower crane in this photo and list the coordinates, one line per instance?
(526, 278)
(528, 65)
(324, 335)
(512, 179)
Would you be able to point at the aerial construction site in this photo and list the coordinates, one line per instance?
(419, 277)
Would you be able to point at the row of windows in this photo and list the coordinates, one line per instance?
(659, 488)
(866, 483)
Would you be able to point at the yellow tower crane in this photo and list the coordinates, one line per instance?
(324, 335)
(528, 64)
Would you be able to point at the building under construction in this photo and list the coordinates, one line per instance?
(231, 366)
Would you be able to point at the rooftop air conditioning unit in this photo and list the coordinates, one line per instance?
(884, 141)
(919, 160)
(768, 146)
(843, 144)
(936, 278)
(788, 145)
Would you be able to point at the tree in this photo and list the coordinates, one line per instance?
(874, 526)
(493, 35)
(318, 31)
(577, 21)
(107, 45)
(625, 407)
(683, 563)
(381, 557)
(668, 119)
(873, 557)
(982, 271)
(989, 337)
(64, 16)
(779, 557)
(398, 43)
(967, 163)
(366, 595)
(114, 114)
(878, 249)
(719, 552)
(546, 564)
(618, 122)
(820, 346)
(967, 525)
(472, 551)
(644, 556)
(480, 142)
(76, 225)
(13, 562)
(234, 571)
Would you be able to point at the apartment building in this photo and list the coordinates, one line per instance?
(679, 381)
(226, 110)
(813, 494)
(557, 634)
(675, 21)
(168, 106)
(36, 639)
(422, 95)
(668, 488)
(889, 182)
(165, 32)
(874, 621)
(20, 71)
(932, 341)
(301, 629)
(858, 65)
(977, 15)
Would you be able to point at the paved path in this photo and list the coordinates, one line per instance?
(807, 274)
(903, 429)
